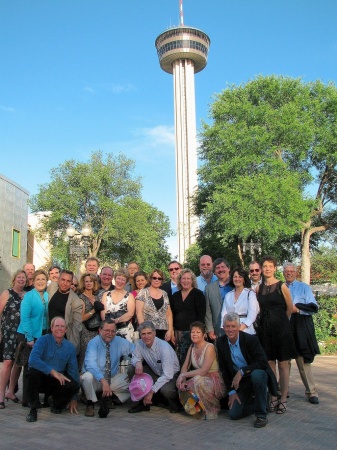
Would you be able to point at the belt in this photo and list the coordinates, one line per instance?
(242, 315)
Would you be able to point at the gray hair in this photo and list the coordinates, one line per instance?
(231, 317)
(146, 324)
(288, 264)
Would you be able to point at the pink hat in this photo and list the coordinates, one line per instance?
(140, 386)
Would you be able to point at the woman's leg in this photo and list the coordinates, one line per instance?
(4, 377)
(13, 380)
(273, 401)
(283, 368)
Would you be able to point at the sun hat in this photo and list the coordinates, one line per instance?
(140, 386)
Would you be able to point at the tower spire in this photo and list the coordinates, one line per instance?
(181, 13)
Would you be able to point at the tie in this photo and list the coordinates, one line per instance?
(107, 364)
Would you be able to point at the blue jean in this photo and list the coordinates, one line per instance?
(253, 396)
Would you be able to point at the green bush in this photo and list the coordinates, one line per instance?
(326, 324)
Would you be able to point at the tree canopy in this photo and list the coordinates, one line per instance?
(269, 165)
(105, 194)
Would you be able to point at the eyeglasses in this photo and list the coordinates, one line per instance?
(157, 278)
(75, 285)
(254, 270)
(173, 268)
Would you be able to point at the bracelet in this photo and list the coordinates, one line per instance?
(90, 313)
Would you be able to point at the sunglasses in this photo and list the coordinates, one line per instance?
(254, 270)
(157, 278)
(75, 285)
(174, 268)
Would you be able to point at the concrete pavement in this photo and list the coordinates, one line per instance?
(303, 426)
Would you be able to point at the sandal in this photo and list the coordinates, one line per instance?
(14, 400)
(282, 408)
(2, 405)
(273, 405)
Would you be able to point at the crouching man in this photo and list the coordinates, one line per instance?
(101, 365)
(53, 369)
(246, 372)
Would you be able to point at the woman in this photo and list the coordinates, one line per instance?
(33, 317)
(119, 305)
(188, 305)
(274, 330)
(141, 281)
(152, 304)
(92, 308)
(10, 301)
(241, 300)
(200, 372)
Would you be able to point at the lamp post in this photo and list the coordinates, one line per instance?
(79, 242)
(251, 247)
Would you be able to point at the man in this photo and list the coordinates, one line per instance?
(132, 268)
(65, 303)
(100, 370)
(245, 371)
(92, 265)
(304, 305)
(255, 274)
(53, 368)
(105, 277)
(214, 295)
(158, 359)
(29, 270)
(206, 275)
(170, 287)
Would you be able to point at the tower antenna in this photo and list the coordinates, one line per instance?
(181, 13)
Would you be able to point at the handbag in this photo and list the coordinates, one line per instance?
(22, 354)
(94, 322)
(117, 315)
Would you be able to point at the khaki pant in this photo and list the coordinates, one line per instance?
(306, 377)
(119, 385)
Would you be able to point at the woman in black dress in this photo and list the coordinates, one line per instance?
(274, 331)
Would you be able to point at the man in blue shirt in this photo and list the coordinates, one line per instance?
(53, 368)
(206, 275)
(101, 366)
(302, 325)
(245, 371)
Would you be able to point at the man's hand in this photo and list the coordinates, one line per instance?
(232, 398)
(139, 368)
(73, 407)
(147, 400)
(59, 376)
(236, 380)
(107, 392)
(212, 335)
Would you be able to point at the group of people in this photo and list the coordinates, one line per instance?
(199, 340)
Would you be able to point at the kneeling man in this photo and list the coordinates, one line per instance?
(101, 365)
(246, 372)
(158, 359)
(53, 369)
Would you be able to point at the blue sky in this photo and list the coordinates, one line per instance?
(83, 75)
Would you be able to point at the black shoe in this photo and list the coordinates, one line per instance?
(139, 408)
(32, 416)
(25, 404)
(260, 422)
(104, 409)
(55, 410)
(176, 409)
(313, 400)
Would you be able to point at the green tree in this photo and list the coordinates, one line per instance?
(324, 265)
(270, 141)
(105, 194)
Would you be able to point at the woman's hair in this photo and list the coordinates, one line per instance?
(141, 274)
(93, 278)
(122, 273)
(199, 325)
(194, 278)
(269, 259)
(243, 273)
(16, 274)
(40, 272)
(159, 272)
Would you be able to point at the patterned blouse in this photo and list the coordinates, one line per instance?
(151, 313)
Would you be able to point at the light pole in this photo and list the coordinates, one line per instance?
(78, 243)
(251, 247)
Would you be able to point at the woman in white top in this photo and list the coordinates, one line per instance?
(241, 300)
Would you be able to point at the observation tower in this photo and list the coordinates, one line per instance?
(183, 51)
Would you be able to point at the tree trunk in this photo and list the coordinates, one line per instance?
(305, 267)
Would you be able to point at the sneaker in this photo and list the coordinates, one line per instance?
(89, 411)
(260, 422)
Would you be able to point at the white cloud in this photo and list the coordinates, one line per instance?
(120, 88)
(161, 134)
(7, 109)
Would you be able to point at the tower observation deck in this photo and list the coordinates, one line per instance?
(183, 51)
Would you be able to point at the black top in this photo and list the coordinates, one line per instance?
(191, 309)
(57, 305)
